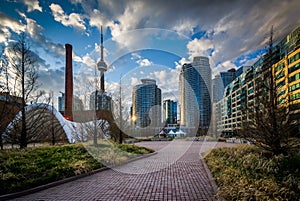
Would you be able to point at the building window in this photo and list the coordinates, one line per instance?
(294, 68)
(294, 77)
(280, 75)
(281, 92)
(279, 67)
(294, 87)
(280, 84)
(294, 58)
(294, 96)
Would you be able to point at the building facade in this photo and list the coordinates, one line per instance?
(228, 77)
(285, 67)
(77, 103)
(170, 111)
(61, 103)
(102, 101)
(217, 88)
(146, 104)
(195, 96)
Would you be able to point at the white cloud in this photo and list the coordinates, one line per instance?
(168, 81)
(33, 5)
(139, 60)
(134, 81)
(185, 27)
(74, 20)
(144, 62)
(199, 47)
(178, 64)
(226, 65)
(161, 76)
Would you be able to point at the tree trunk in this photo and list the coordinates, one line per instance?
(23, 141)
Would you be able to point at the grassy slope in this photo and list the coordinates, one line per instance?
(23, 169)
(247, 173)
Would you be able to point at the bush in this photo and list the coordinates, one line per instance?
(31, 167)
(248, 173)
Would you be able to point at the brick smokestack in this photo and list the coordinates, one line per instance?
(69, 84)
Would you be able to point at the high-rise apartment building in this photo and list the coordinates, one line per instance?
(146, 104)
(170, 111)
(217, 88)
(195, 95)
(228, 77)
(240, 93)
(241, 70)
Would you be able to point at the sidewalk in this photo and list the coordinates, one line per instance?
(176, 172)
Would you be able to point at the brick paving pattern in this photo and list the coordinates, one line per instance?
(168, 175)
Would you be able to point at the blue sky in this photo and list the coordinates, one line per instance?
(143, 38)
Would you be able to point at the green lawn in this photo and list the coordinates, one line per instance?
(31, 167)
(248, 173)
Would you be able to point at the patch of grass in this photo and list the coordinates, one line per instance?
(112, 154)
(248, 173)
(31, 167)
(135, 149)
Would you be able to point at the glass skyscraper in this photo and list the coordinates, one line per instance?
(228, 76)
(146, 104)
(195, 96)
(170, 111)
(217, 88)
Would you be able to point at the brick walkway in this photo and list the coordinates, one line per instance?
(176, 172)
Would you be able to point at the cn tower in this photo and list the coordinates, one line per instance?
(102, 67)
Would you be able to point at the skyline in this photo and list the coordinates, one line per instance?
(143, 39)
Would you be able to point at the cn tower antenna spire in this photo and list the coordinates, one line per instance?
(101, 44)
(102, 67)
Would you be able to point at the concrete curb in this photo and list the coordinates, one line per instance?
(62, 181)
(211, 180)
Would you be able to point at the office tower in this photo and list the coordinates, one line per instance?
(146, 104)
(218, 88)
(228, 76)
(61, 103)
(195, 95)
(170, 111)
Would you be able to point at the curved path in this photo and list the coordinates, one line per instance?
(186, 178)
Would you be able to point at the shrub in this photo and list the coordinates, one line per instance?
(248, 173)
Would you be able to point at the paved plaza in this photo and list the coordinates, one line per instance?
(176, 172)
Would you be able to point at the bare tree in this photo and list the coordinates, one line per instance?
(121, 127)
(269, 123)
(24, 75)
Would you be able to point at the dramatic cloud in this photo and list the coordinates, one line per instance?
(33, 5)
(228, 32)
(198, 47)
(232, 28)
(7, 25)
(74, 20)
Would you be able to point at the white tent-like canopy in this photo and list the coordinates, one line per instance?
(180, 132)
(171, 133)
